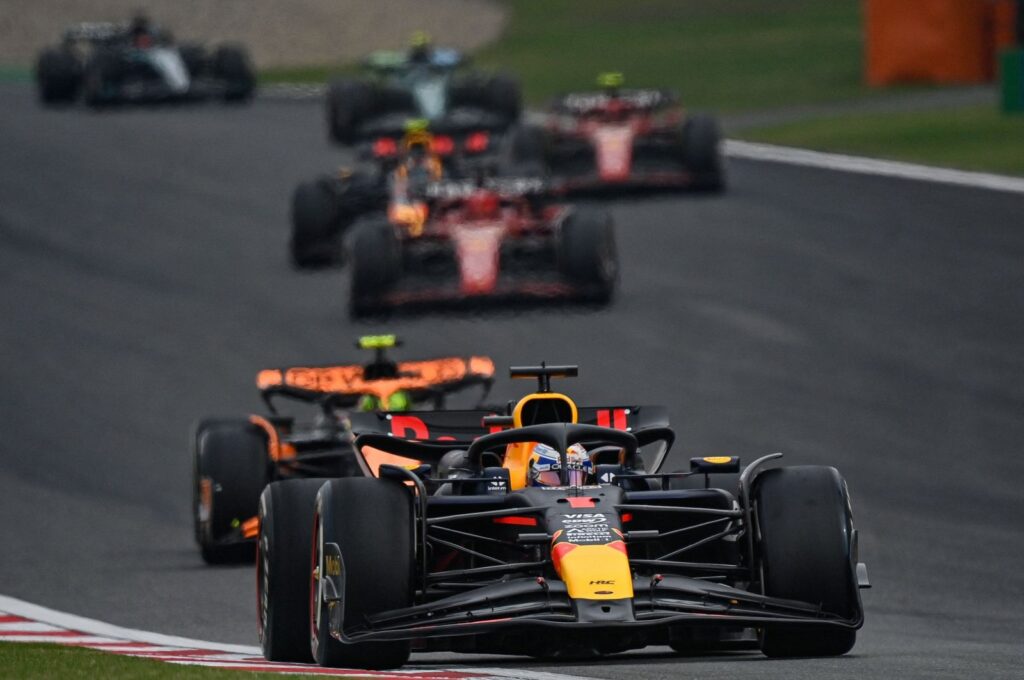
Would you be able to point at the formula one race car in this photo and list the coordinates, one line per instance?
(110, 63)
(622, 139)
(543, 532)
(423, 82)
(235, 458)
(323, 209)
(474, 240)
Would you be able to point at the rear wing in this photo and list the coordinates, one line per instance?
(96, 31)
(344, 385)
(585, 102)
(504, 187)
(458, 429)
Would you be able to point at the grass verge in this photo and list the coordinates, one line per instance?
(726, 54)
(28, 661)
(974, 138)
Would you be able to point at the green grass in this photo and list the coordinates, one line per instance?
(975, 138)
(721, 54)
(45, 662)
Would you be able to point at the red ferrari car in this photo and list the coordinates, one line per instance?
(619, 138)
(464, 241)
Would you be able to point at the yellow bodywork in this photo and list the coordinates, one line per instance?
(517, 456)
(595, 572)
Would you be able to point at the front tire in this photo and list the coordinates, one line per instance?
(587, 253)
(229, 472)
(348, 102)
(58, 76)
(283, 569)
(231, 64)
(701, 153)
(806, 546)
(371, 522)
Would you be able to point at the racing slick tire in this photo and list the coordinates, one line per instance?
(315, 217)
(229, 470)
(195, 59)
(58, 76)
(806, 547)
(499, 94)
(701, 154)
(587, 253)
(283, 572)
(371, 522)
(231, 64)
(525, 151)
(375, 258)
(348, 101)
(505, 96)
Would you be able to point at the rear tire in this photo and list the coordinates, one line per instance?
(806, 545)
(229, 473)
(315, 226)
(283, 569)
(587, 253)
(231, 64)
(701, 154)
(375, 258)
(58, 76)
(348, 102)
(371, 521)
(525, 151)
(505, 96)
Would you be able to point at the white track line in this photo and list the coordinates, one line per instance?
(181, 650)
(776, 154)
(871, 166)
(99, 628)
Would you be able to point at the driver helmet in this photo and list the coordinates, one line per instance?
(482, 205)
(420, 45)
(417, 142)
(420, 159)
(396, 401)
(141, 29)
(611, 82)
(545, 464)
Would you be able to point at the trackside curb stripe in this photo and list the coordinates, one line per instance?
(26, 622)
(871, 166)
(99, 628)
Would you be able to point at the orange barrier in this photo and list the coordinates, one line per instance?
(935, 41)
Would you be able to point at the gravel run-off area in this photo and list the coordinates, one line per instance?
(277, 33)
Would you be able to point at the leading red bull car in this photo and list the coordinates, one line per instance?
(621, 139)
(551, 530)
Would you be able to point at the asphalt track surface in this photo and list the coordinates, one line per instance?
(869, 323)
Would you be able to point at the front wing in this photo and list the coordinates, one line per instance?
(531, 603)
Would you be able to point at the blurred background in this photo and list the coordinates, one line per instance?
(934, 81)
